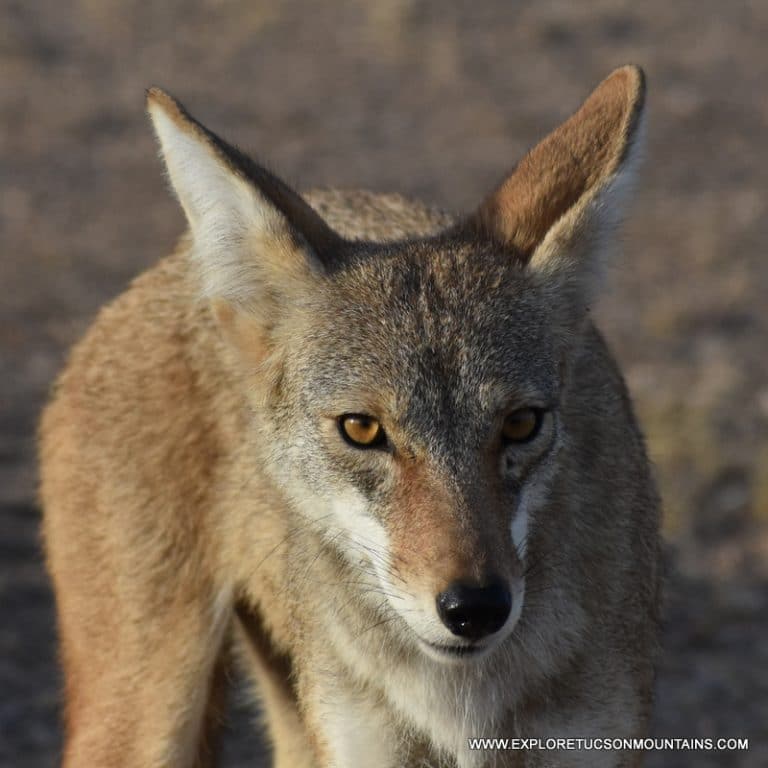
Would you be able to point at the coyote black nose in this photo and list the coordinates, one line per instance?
(474, 612)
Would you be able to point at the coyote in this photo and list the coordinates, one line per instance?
(378, 454)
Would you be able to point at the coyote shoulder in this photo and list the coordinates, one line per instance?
(377, 453)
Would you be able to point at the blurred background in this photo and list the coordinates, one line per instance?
(438, 100)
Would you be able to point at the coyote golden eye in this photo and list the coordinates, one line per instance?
(522, 425)
(361, 431)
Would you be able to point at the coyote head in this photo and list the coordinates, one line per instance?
(410, 392)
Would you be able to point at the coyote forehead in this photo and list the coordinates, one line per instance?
(474, 336)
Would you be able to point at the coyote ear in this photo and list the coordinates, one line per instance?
(253, 236)
(567, 194)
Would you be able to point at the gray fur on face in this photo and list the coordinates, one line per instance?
(473, 341)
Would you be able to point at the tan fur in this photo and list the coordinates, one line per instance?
(581, 153)
(431, 544)
(199, 499)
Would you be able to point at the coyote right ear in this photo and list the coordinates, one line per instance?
(254, 237)
(558, 205)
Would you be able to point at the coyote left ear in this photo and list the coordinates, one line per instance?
(556, 208)
(254, 238)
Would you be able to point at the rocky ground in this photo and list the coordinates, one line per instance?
(437, 100)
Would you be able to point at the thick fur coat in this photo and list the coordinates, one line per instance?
(205, 498)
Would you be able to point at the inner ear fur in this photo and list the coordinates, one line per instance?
(258, 246)
(568, 167)
(301, 219)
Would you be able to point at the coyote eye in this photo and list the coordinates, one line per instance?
(522, 425)
(361, 431)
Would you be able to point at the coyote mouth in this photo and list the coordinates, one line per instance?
(457, 651)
